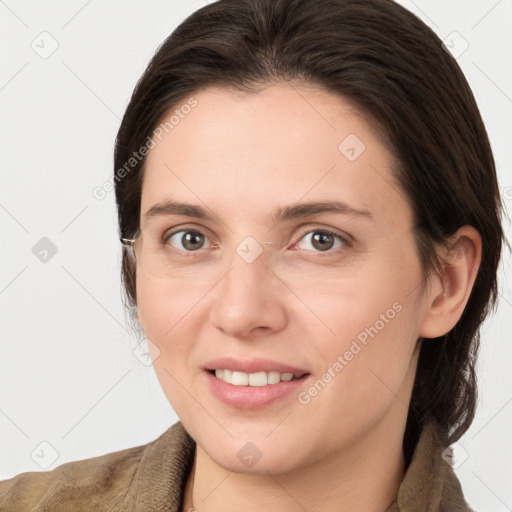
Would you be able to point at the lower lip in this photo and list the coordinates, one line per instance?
(252, 397)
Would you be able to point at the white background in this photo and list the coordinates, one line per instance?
(68, 374)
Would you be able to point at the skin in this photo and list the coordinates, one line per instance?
(242, 156)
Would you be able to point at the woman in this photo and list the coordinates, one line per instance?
(311, 219)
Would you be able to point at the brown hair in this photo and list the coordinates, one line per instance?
(397, 71)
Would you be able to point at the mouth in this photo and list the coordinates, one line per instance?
(250, 391)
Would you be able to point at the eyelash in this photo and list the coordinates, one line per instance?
(343, 238)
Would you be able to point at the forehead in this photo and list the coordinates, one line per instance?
(259, 151)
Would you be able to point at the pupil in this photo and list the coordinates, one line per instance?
(190, 240)
(321, 238)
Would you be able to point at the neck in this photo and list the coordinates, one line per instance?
(364, 476)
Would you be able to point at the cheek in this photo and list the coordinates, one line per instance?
(370, 320)
(153, 302)
(361, 302)
(361, 369)
(163, 306)
(168, 316)
(360, 332)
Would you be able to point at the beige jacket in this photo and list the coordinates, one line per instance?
(152, 477)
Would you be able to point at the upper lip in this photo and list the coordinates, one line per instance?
(252, 365)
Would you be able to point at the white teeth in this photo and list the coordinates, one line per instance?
(239, 379)
(253, 379)
(258, 379)
(273, 377)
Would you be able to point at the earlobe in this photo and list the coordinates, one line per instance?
(450, 291)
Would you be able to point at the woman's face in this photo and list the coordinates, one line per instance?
(248, 284)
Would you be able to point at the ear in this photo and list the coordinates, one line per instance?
(449, 291)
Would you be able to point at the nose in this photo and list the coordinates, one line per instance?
(250, 299)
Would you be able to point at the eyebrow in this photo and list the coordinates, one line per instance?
(280, 215)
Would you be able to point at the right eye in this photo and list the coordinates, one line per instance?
(186, 240)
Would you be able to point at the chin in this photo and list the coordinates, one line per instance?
(252, 454)
(264, 461)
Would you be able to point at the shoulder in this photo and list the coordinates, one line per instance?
(82, 480)
(98, 483)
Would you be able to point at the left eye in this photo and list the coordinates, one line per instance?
(323, 240)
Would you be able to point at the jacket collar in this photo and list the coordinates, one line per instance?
(429, 484)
